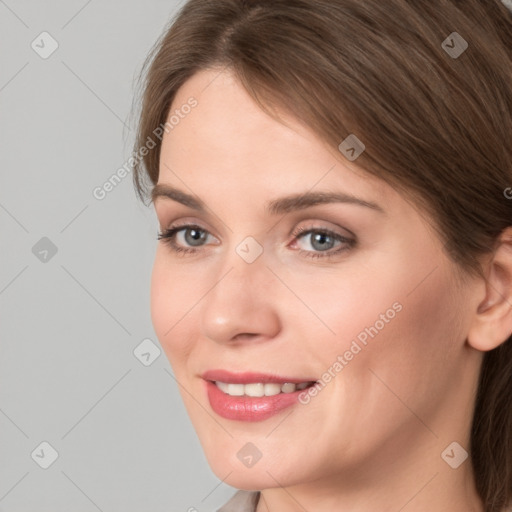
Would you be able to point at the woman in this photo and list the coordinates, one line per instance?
(333, 282)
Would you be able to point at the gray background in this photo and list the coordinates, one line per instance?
(70, 321)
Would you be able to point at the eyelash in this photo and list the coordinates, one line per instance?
(168, 238)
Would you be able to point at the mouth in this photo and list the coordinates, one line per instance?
(259, 389)
(252, 396)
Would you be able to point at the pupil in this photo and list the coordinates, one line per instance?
(320, 237)
(197, 236)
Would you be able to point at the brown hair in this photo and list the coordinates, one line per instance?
(435, 126)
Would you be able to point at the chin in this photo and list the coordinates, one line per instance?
(248, 480)
(264, 474)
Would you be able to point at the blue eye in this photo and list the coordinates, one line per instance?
(169, 237)
(320, 237)
(323, 237)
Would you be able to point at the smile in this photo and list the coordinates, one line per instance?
(252, 396)
(259, 389)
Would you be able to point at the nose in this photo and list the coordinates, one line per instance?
(242, 303)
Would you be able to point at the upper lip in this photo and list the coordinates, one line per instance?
(250, 377)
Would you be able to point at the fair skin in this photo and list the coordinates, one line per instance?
(372, 439)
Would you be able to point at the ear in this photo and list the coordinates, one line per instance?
(492, 323)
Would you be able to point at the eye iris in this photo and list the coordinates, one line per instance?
(198, 237)
(320, 237)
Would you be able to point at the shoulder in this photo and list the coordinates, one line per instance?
(242, 501)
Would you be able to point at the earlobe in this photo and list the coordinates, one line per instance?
(492, 322)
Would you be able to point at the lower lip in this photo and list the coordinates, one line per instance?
(248, 408)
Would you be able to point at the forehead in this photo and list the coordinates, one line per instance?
(227, 118)
(227, 138)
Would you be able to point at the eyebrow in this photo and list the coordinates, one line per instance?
(273, 207)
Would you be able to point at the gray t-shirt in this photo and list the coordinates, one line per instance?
(242, 501)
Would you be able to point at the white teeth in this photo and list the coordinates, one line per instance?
(259, 389)
(288, 387)
(254, 389)
(235, 389)
(271, 388)
(222, 386)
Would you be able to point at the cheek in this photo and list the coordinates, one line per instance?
(413, 354)
(399, 317)
(170, 302)
(160, 301)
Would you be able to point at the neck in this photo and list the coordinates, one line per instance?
(421, 481)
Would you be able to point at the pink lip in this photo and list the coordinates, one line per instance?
(245, 408)
(249, 377)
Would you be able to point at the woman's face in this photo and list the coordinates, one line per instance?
(374, 305)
